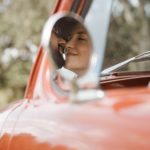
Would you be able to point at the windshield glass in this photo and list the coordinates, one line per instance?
(137, 66)
(129, 34)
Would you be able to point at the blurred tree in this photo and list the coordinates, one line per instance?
(129, 32)
(20, 31)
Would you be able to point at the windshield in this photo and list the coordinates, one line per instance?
(129, 34)
(138, 66)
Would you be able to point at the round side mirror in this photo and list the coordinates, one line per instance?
(69, 44)
(71, 47)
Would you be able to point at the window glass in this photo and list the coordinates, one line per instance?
(129, 33)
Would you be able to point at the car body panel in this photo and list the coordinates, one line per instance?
(119, 120)
(125, 80)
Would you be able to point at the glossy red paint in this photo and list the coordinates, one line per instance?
(33, 76)
(117, 121)
(125, 81)
(65, 5)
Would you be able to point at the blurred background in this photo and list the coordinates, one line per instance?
(129, 32)
(21, 23)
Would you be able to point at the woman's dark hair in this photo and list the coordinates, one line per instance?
(64, 27)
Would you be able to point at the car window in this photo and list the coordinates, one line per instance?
(136, 66)
(20, 35)
(129, 34)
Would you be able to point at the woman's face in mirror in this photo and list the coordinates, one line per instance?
(78, 50)
(71, 46)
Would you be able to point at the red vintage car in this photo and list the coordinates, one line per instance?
(100, 110)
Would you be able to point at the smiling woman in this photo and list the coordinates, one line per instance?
(78, 50)
(71, 46)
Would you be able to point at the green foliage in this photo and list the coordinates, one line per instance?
(129, 33)
(21, 23)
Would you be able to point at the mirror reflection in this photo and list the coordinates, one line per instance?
(70, 46)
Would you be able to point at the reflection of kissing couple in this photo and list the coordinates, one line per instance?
(71, 47)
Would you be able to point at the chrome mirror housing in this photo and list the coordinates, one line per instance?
(62, 35)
